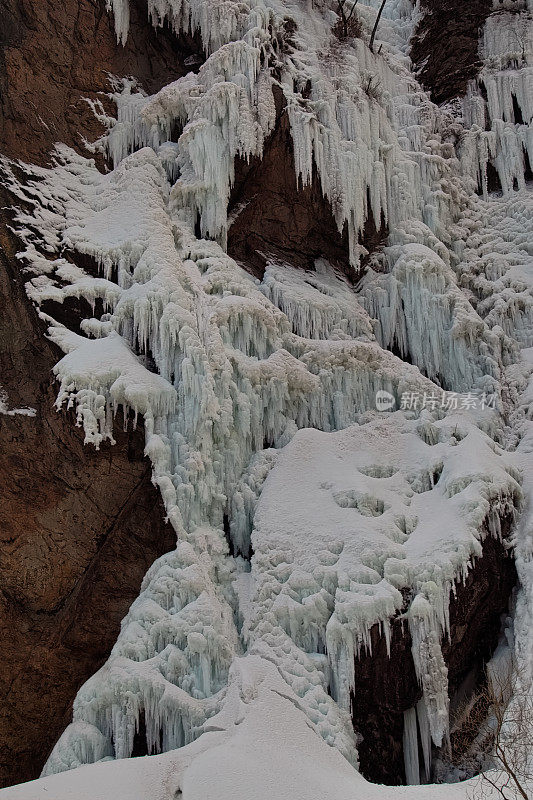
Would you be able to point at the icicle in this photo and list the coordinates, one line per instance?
(430, 667)
(425, 737)
(410, 747)
(222, 367)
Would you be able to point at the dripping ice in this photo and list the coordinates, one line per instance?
(293, 361)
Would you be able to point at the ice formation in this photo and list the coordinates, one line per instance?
(258, 397)
(271, 753)
(347, 520)
(498, 107)
(458, 350)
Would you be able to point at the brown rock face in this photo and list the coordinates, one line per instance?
(386, 687)
(445, 45)
(53, 55)
(78, 529)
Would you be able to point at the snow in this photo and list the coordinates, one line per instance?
(259, 397)
(98, 376)
(523, 455)
(497, 265)
(318, 304)
(458, 350)
(377, 153)
(12, 412)
(357, 528)
(244, 761)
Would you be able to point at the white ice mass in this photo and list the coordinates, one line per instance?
(258, 396)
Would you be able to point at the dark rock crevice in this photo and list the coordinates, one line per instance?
(274, 216)
(445, 46)
(386, 687)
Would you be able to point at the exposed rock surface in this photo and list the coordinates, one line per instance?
(53, 55)
(273, 216)
(445, 46)
(78, 529)
(386, 687)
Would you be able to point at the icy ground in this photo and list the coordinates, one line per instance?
(272, 756)
(259, 397)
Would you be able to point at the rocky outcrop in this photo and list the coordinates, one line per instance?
(54, 55)
(78, 529)
(275, 217)
(385, 687)
(444, 49)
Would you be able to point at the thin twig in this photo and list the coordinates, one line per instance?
(380, 12)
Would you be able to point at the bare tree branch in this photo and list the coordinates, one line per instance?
(493, 737)
(345, 17)
(374, 30)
